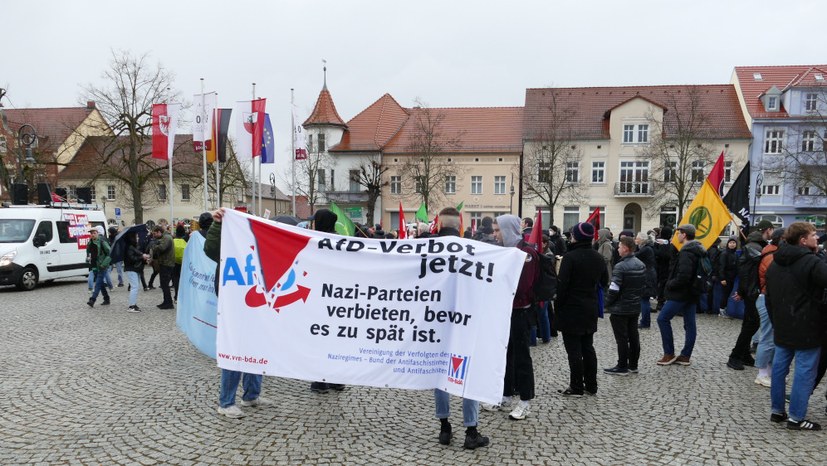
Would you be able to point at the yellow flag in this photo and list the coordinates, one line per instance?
(708, 213)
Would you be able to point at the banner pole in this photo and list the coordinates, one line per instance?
(204, 143)
(293, 152)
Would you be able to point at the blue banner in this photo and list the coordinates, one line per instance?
(197, 303)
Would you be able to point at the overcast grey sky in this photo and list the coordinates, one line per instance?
(449, 53)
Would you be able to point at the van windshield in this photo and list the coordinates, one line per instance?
(15, 230)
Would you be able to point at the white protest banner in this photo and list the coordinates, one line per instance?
(417, 314)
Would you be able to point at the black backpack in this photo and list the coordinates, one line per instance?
(546, 285)
(703, 270)
(748, 284)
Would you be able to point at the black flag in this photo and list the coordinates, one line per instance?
(737, 199)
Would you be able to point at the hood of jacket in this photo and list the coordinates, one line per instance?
(509, 229)
(603, 235)
(325, 221)
(694, 247)
(757, 237)
(787, 255)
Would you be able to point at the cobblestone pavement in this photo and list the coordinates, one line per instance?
(102, 386)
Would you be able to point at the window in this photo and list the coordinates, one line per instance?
(476, 218)
(93, 192)
(804, 191)
(598, 172)
(320, 180)
(544, 172)
(396, 185)
(185, 192)
(776, 220)
(321, 142)
(162, 192)
(698, 170)
(670, 172)
(628, 133)
(571, 216)
(420, 184)
(110, 192)
(450, 184)
(476, 185)
(630, 136)
(642, 133)
(499, 185)
(572, 172)
(634, 178)
(770, 190)
(772, 103)
(309, 143)
(602, 214)
(3, 146)
(808, 141)
(810, 102)
(45, 228)
(73, 191)
(774, 141)
(353, 176)
(728, 172)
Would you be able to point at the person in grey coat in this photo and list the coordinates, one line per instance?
(623, 301)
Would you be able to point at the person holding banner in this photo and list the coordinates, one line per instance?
(250, 383)
(519, 369)
(449, 226)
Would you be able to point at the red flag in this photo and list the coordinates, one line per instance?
(594, 219)
(160, 132)
(435, 225)
(536, 237)
(473, 227)
(258, 130)
(403, 227)
(716, 176)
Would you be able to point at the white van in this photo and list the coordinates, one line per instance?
(44, 243)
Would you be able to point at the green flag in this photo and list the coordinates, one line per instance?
(422, 213)
(344, 225)
(459, 206)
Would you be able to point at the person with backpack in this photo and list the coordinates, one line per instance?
(795, 296)
(682, 292)
(748, 290)
(766, 347)
(726, 268)
(582, 271)
(99, 261)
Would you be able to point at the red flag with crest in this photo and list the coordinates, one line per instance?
(164, 125)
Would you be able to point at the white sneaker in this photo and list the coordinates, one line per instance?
(520, 411)
(489, 407)
(507, 404)
(256, 402)
(231, 411)
(763, 381)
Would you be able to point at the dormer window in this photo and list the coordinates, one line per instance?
(819, 77)
(772, 103)
(771, 99)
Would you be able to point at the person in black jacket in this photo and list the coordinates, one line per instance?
(681, 298)
(133, 264)
(796, 283)
(727, 269)
(646, 254)
(623, 300)
(714, 252)
(665, 253)
(582, 271)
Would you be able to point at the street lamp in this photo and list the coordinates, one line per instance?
(26, 138)
(511, 191)
(273, 191)
(759, 180)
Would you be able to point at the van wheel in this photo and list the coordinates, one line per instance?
(28, 279)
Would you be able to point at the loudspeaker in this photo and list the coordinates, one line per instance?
(61, 192)
(44, 194)
(19, 194)
(84, 195)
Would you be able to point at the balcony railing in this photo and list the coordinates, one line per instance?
(346, 197)
(635, 188)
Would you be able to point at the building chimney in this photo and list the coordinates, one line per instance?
(90, 104)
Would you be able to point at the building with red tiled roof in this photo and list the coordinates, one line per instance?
(605, 137)
(786, 110)
(60, 133)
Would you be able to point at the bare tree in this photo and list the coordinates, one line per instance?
(313, 177)
(369, 176)
(680, 149)
(131, 86)
(551, 163)
(426, 169)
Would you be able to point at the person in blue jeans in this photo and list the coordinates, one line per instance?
(796, 280)
(765, 352)
(681, 297)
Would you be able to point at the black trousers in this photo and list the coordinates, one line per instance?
(519, 369)
(582, 362)
(627, 338)
(748, 328)
(176, 278)
(166, 278)
(727, 293)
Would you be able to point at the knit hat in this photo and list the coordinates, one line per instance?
(687, 228)
(583, 232)
(763, 225)
(205, 220)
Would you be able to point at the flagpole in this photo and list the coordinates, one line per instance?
(171, 190)
(204, 143)
(293, 151)
(253, 159)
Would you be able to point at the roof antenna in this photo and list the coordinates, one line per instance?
(324, 63)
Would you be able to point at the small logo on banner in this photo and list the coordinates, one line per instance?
(458, 368)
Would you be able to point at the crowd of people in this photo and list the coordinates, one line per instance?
(778, 275)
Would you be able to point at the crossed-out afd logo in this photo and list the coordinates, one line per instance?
(270, 269)
(457, 369)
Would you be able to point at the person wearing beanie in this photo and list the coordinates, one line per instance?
(681, 298)
(519, 368)
(582, 270)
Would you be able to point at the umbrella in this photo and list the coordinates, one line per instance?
(119, 245)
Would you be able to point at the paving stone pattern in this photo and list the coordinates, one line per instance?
(102, 386)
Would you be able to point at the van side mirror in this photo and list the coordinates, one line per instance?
(39, 240)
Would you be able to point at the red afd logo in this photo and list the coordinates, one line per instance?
(276, 251)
